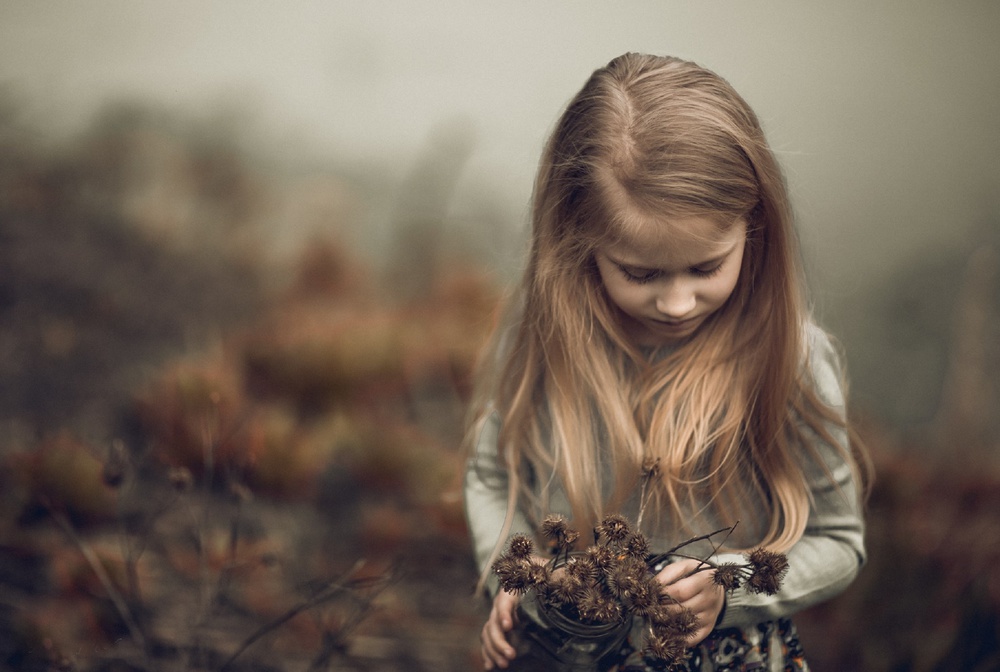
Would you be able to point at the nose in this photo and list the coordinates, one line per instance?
(676, 300)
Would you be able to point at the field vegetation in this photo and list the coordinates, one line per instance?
(218, 457)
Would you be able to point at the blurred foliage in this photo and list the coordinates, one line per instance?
(204, 442)
(64, 474)
(265, 429)
(98, 279)
(929, 597)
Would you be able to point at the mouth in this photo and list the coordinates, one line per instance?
(676, 324)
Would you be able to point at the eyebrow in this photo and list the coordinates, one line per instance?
(718, 259)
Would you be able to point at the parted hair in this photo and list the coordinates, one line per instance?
(650, 139)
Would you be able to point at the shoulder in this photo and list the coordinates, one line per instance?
(823, 364)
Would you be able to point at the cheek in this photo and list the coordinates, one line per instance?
(617, 296)
(725, 286)
(624, 296)
(611, 284)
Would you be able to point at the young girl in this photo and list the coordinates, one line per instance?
(661, 316)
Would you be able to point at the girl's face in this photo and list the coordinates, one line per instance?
(667, 283)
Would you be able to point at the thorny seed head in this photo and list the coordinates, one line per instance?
(514, 574)
(612, 578)
(566, 589)
(597, 606)
(586, 606)
(777, 563)
(614, 528)
(538, 575)
(554, 527)
(602, 557)
(637, 546)
(636, 567)
(768, 570)
(665, 650)
(729, 575)
(583, 569)
(520, 546)
(623, 579)
(763, 582)
(660, 615)
(673, 621)
(609, 610)
(651, 467)
(643, 599)
(684, 623)
(505, 566)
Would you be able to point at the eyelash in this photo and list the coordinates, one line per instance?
(638, 279)
(707, 274)
(653, 275)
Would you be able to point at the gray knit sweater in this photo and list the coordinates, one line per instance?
(821, 564)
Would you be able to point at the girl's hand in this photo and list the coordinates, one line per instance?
(497, 651)
(697, 593)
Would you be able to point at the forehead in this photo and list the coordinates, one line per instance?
(669, 241)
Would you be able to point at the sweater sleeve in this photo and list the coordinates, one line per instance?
(831, 551)
(486, 491)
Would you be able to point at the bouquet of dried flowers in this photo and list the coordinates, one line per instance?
(580, 604)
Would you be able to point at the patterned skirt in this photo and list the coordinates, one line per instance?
(768, 647)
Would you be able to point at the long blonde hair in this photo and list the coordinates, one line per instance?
(576, 399)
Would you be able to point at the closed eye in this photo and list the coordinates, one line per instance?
(639, 276)
(706, 272)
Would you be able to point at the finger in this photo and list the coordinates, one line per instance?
(705, 604)
(496, 645)
(677, 571)
(684, 591)
(487, 661)
(670, 574)
(493, 656)
(496, 648)
(699, 635)
(681, 593)
(503, 610)
(695, 596)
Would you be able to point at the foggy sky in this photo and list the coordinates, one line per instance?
(884, 114)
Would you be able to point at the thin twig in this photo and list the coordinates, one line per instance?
(135, 632)
(227, 570)
(653, 560)
(143, 533)
(642, 502)
(128, 550)
(332, 643)
(650, 469)
(200, 531)
(320, 597)
(705, 562)
(209, 464)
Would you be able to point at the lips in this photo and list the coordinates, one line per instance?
(676, 325)
(674, 330)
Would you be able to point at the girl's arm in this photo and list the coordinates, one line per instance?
(486, 495)
(827, 558)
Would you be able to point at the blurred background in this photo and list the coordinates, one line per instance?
(248, 252)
